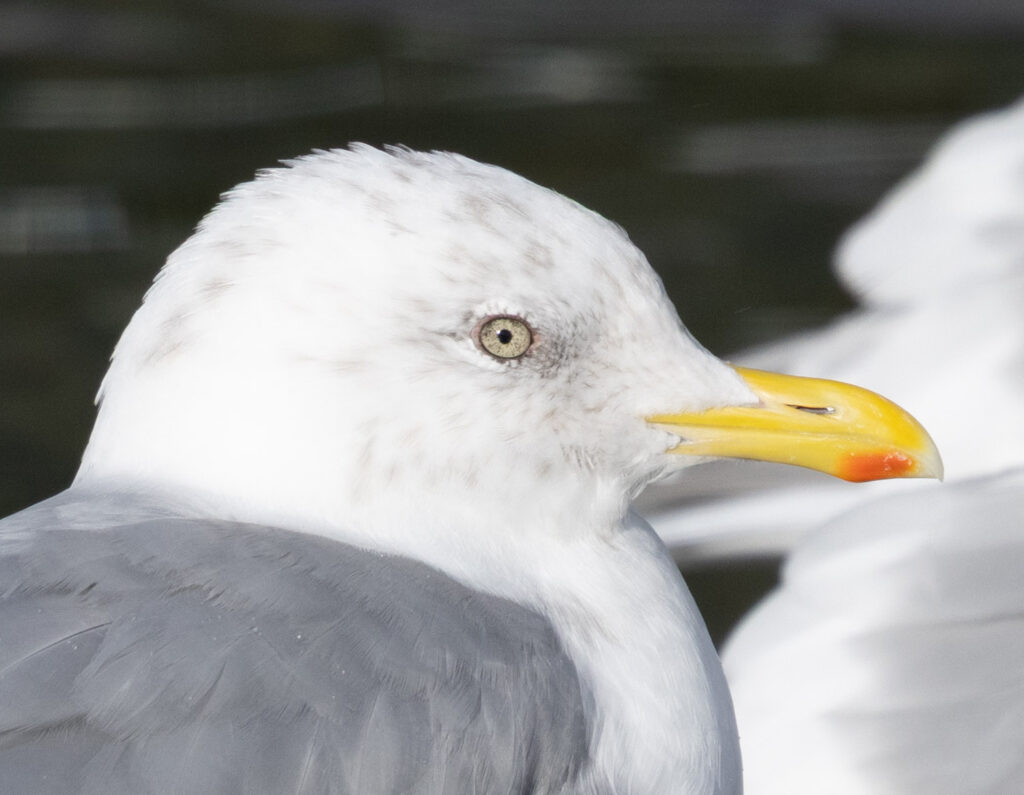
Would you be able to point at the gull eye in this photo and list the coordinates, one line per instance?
(504, 337)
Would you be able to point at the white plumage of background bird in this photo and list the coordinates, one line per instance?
(889, 660)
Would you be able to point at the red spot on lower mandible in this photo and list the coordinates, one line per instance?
(874, 466)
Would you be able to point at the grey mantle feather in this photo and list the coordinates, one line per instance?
(143, 650)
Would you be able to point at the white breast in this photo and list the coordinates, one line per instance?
(662, 714)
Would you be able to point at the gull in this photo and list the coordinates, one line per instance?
(354, 515)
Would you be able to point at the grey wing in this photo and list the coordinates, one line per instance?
(892, 657)
(159, 654)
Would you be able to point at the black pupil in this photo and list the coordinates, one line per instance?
(504, 336)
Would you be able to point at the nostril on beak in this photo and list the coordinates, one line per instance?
(813, 409)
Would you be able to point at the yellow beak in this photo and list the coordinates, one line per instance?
(830, 426)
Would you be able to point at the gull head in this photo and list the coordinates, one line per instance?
(362, 335)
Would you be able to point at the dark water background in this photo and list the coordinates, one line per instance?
(733, 140)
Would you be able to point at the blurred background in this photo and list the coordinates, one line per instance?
(734, 140)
